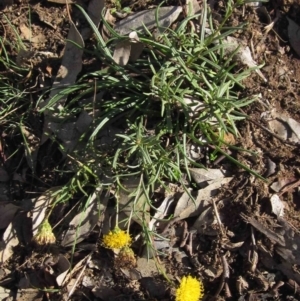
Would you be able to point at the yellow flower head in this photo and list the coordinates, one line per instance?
(44, 235)
(190, 289)
(116, 239)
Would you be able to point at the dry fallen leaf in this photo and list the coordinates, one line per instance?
(154, 287)
(27, 35)
(203, 177)
(147, 267)
(187, 206)
(243, 53)
(206, 222)
(286, 241)
(4, 293)
(277, 205)
(135, 22)
(122, 52)
(136, 46)
(161, 211)
(84, 222)
(69, 133)
(95, 9)
(70, 67)
(285, 127)
(9, 241)
(128, 49)
(25, 32)
(29, 294)
(7, 213)
(281, 183)
(294, 35)
(193, 7)
(62, 265)
(136, 207)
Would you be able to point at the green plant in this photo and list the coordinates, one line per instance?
(13, 94)
(184, 90)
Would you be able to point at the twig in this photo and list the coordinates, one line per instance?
(225, 277)
(254, 258)
(62, 1)
(218, 217)
(288, 188)
(273, 134)
(88, 259)
(189, 246)
(222, 157)
(185, 234)
(275, 288)
(169, 224)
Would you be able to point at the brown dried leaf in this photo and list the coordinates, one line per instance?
(206, 221)
(277, 205)
(25, 32)
(276, 238)
(70, 67)
(84, 222)
(7, 213)
(137, 207)
(294, 35)
(4, 293)
(27, 35)
(29, 294)
(203, 176)
(122, 52)
(136, 46)
(128, 49)
(285, 127)
(135, 22)
(10, 240)
(62, 265)
(147, 267)
(193, 7)
(161, 211)
(95, 9)
(187, 206)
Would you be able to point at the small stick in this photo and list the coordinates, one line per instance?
(225, 277)
(276, 287)
(88, 259)
(218, 217)
(273, 134)
(254, 258)
(288, 188)
(185, 234)
(189, 246)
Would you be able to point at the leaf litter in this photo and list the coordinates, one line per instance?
(241, 201)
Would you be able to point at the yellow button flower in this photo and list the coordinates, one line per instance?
(190, 289)
(116, 239)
